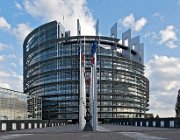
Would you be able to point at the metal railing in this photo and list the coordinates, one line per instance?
(13, 125)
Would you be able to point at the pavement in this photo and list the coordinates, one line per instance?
(105, 132)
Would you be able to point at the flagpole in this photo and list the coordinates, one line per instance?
(95, 94)
(84, 82)
(80, 96)
(91, 95)
(95, 107)
(81, 81)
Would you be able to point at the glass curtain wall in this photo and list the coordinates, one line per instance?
(13, 105)
(51, 71)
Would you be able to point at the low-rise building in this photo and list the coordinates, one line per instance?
(13, 105)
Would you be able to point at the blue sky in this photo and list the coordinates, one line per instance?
(156, 21)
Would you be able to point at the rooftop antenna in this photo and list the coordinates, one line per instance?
(97, 28)
(78, 28)
(114, 31)
(63, 19)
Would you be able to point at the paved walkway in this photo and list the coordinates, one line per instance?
(105, 132)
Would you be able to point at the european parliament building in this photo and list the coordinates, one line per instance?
(52, 72)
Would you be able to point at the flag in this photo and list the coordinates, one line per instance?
(82, 98)
(82, 94)
(93, 93)
(82, 57)
(93, 85)
(83, 61)
(93, 51)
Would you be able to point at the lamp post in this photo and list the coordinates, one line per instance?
(88, 118)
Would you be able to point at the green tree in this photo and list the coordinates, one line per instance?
(177, 108)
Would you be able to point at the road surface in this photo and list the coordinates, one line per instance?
(105, 132)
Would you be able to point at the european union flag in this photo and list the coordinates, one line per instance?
(93, 49)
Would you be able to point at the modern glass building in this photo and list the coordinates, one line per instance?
(13, 105)
(51, 71)
(34, 107)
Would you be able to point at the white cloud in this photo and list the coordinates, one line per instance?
(178, 2)
(21, 31)
(158, 15)
(18, 6)
(3, 46)
(2, 58)
(163, 73)
(14, 65)
(4, 74)
(152, 37)
(140, 24)
(10, 79)
(21, 61)
(10, 72)
(71, 10)
(168, 36)
(130, 22)
(4, 24)
(5, 85)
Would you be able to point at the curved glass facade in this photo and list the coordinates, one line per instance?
(51, 71)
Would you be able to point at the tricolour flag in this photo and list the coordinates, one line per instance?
(82, 96)
(93, 51)
(82, 57)
(82, 103)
